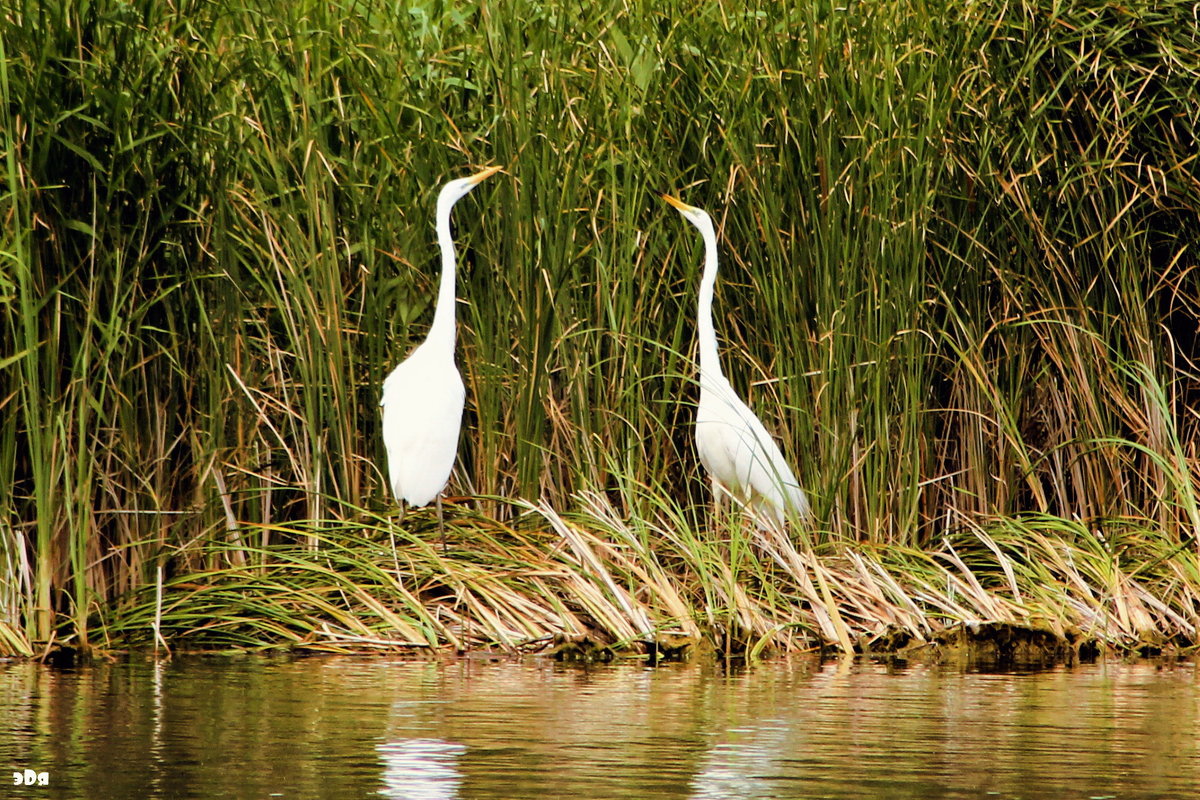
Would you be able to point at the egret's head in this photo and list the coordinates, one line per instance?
(455, 190)
(697, 216)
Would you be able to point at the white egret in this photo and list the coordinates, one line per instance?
(742, 459)
(423, 397)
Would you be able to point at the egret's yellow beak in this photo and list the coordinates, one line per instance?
(682, 206)
(479, 176)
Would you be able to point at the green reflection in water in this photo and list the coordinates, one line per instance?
(481, 729)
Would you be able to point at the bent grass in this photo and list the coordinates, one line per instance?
(640, 586)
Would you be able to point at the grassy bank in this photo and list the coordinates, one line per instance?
(958, 283)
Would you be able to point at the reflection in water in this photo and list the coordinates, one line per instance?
(421, 769)
(743, 769)
(328, 727)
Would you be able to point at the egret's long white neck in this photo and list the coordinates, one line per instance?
(442, 330)
(710, 364)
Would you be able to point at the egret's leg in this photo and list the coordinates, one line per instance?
(392, 536)
(441, 522)
(716, 495)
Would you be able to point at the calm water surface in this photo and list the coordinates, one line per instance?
(327, 727)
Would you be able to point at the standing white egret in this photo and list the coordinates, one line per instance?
(742, 459)
(423, 397)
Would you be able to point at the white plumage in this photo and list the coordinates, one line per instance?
(741, 457)
(422, 404)
(423, 397)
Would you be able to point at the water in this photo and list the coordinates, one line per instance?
(333, 727)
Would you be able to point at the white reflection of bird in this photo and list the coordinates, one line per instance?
(742, 459)
(421, 769)
(423, 397)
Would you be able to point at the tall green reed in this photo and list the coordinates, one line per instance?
(956, 267)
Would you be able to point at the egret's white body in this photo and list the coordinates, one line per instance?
(742, 459)
(422, 404)
(423, 397)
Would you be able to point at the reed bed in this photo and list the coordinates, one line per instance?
(958, 283)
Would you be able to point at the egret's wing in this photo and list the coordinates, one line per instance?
(772, 477)
(760, 464)
(422, 415)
